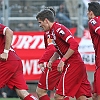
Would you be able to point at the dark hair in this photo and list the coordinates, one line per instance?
(46, 13)
(52, 9)
(94, 7)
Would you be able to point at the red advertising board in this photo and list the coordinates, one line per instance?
(30, 47)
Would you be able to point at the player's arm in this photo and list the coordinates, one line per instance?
(8, 39)
(52, 59)
(67, 55)
(72, 48)
(66, 35)
(49, 51)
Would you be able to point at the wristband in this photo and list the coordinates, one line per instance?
(63, 59)
(6, 51)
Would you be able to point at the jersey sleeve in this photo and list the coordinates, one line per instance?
(94, 25)
(49, 51)
(2, 29)
(66, 35)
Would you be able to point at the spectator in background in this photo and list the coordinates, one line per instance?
(54, 2)
(62, 15)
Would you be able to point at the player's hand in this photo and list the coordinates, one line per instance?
(42, 67)
(49, 65)
(4, 56)
(60, 66)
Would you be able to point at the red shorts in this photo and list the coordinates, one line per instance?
(49, 79)
(74, 81)
(11, 74)
(96, 83)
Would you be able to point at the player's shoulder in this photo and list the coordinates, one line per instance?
(58, 27)
(61, 29)
(94, 21)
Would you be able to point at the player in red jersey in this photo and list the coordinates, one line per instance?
(11, 69)
(94, 28)
(49, 78)
(73, 81)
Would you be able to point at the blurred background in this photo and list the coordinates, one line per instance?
(20, 16)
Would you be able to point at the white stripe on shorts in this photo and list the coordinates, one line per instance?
(64, 79)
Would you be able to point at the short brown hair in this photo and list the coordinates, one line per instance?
(46, 13)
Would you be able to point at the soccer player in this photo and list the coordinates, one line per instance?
(49, 79)
(73, 81)
(11, 69)
(94, 28)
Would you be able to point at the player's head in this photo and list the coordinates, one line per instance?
(93, 9)
(50, 8)
(46, 18)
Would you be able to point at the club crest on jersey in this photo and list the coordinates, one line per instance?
(93, 22)
(61, 32)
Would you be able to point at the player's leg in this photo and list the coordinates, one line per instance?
(82, 98)
(24, 95)
(42, 94)
(48, 81)
(98, 97)
(18, 82)
(84, 92)
(96, 85)
(41, 89)
(59, 97)
(94, 96)
(71, 81)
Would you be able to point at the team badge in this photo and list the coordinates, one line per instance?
(93, 22)
(61, 32)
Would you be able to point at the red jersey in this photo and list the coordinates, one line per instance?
(64, 40)
(50, 49)
(12, 55)
(94, 27)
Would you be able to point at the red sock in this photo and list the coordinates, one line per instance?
(45, 97)
(30, 97)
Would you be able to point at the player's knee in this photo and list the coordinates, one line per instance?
(37, 91)
(40, 92)
(22, 93)
(94, 96)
